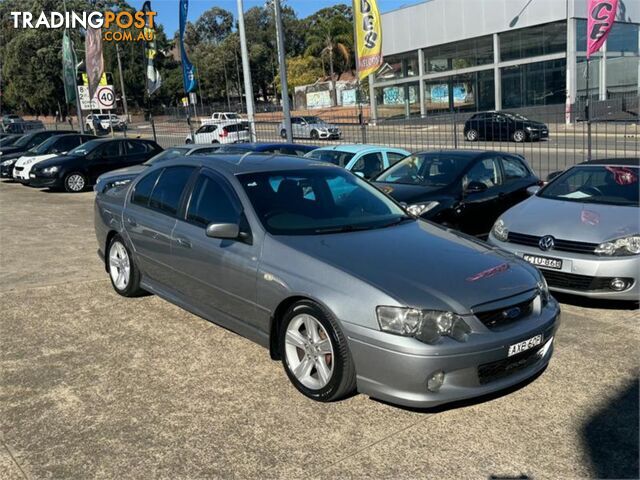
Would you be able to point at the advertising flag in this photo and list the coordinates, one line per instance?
(93, 58)
(600, 17)
(368, 32)
(68, 68)
(154, 81)
(188, 70)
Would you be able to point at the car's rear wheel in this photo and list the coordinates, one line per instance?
(124, 275)
(472, 135)
(519, 136)
(75, 182)
(315, 353)
(188, 141)
(314, 135)
(283, 133)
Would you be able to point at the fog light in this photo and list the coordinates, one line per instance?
(618, 284)
(435, 381)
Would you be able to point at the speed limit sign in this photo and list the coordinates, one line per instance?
(106, 97)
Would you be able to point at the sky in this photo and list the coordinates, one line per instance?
(168, 9)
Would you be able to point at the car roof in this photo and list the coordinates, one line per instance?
(357, 147)
(463, 153)
(258, 146)
(631, 161)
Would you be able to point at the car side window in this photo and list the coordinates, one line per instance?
(109, 150)
(514, 169)
(167, 192)
(211, 202)
(65, 144)
(142, 190)
(136, 148)
(485, 171)
(394, 157)
(369, 165)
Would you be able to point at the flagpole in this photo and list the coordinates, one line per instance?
(75, 83)
(363, 131)
(246, 72)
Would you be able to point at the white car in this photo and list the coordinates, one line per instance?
(228, 132)
(116, 122)
(53, 146)
(217, 117)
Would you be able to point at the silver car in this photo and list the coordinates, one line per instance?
(582, 230)
(329, 274)
(311, 127)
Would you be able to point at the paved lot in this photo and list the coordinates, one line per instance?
(94, 385)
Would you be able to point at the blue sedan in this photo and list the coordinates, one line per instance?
(366, 161)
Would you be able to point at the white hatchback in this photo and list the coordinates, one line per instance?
(228, 132)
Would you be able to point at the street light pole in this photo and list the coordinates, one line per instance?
(248, 88)
(286, 111)
(124, 95)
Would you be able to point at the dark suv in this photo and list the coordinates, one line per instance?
(503, 127)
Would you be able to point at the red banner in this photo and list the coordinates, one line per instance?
(600, 17)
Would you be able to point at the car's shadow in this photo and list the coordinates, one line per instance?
(579, 301)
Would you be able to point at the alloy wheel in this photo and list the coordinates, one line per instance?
(518, 136)
(75, 182)
(472, 135)
(119, 265)
(309, 352)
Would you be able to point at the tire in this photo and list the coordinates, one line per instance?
(283, 133)
(303, 353)
(214, 141)
(471, 135)
(75, 182)
(314, 135)
(519, 136)
(123, 273)
(188, 141)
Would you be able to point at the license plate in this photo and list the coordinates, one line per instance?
(32, 175)
(524, 346)
(546, 262)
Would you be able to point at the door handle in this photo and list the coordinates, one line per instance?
(132, 222)
(183, 242)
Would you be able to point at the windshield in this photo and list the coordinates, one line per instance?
(428, 169)
(44, 146)
(231, 116)
(596, 184)
(318, 201)
(84, 148)
(24, 141)
(332, 156)
(313, 120)
(167, 154)
(8, 141)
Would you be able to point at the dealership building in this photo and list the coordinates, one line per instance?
(472, 55)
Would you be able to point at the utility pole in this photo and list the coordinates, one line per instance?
(248, 88)
(286, 111)
(124, 95)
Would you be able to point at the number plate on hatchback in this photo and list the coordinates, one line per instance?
(545, 262)
(524, 346)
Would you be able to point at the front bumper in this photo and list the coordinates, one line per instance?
(386, 370)
(330, 135)
(580, 266)
(538, 134)
(40, 181)
(21, 175)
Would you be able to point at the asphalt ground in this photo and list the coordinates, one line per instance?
(93, 385)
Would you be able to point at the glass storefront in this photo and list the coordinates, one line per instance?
(398, 66)
(533, 41)
(623, 38)
(398, 100)
(540, 83)
(594, 76)
(453, 56)
(467, 92)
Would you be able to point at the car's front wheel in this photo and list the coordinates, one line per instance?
(471, 135)
(519, 136)
(75, 182)
(283, 133)
(314, 135)
(124, 275)
(315, 353)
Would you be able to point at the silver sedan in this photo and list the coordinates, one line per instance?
(582, 230)
(331, 275)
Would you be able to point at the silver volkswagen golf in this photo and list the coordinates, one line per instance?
(582, 230)
(329, 274)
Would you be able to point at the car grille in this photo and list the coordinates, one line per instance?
(562, 245)
(18, 169)
(572, 281)
(333, 130)
(490, 372)
(499, 318)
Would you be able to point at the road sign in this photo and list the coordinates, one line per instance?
(104, 98)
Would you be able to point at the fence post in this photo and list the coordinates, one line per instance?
(363, 127)
(455, 130)
(153, 128)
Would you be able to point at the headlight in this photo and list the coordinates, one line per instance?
(7, 163)
(418, 209)
(500, 230)
(50, 170)
(425, 325)
(528, 128)
(543, 289)
(620, 247)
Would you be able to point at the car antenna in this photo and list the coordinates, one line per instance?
(243, 157)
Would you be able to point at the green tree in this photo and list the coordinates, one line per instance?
(301, 70)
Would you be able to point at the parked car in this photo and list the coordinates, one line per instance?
(24, 126)
(465, 190)
(103, 119)
(8, 139)
(279, 253)
(125, 175)
(10, 118)
(366, 161)
(217, 117)
(503, 127)
(232, 132)
(80, 168)
(582, 230)
(9, 154)
(310, 127)
(263, 147)
(52, 147)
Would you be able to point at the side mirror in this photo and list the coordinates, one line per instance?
(223, 230)
(475, 187)
(533, 189)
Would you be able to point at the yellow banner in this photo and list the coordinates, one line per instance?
(368, 37)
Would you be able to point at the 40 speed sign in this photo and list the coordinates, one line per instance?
(104, 98)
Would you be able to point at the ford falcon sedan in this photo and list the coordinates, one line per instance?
(330, 275)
